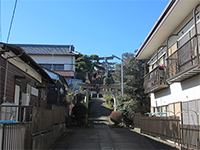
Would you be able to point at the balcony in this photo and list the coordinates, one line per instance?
(155, 80)
(184, 62)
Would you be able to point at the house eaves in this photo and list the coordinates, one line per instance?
(172, 16)
(27, 59)
(55, 76)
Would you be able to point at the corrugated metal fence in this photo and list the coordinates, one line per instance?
(15, 136)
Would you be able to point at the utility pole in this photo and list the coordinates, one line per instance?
(122, 76)
(122, 82)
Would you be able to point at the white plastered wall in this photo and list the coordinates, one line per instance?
(68, 61)
(180, 91)
(177, 92)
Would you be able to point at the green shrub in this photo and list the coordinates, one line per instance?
(127, 106)
(106, 80)
(109, 101)
(79, 112)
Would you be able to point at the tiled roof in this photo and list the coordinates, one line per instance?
(27, 59)
(35, 49)
(65, 73)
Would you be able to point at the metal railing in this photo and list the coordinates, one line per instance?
(16, 113)
(164, 127)
(172, 128)
(189, 135)
(184, 58)
(155, 78)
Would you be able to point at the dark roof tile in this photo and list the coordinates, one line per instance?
(48, 49)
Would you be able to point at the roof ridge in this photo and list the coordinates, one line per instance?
(42, 45)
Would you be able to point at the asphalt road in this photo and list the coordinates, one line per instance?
(103, 136)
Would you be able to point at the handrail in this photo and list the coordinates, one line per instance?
(153, 70)
(196, 31)
(16, 106)
(181, 46)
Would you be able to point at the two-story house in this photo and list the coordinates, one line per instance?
(58, 58)
(24, 94)
(171, 51)
(22, 80)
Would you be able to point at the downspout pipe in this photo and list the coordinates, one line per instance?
(6, 76)
(196, 31)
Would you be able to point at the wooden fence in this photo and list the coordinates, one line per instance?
(163, 127)
(169, 128)
(137, 120)
(42, 120)
(58, 114)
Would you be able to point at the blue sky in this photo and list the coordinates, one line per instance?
(102, 27)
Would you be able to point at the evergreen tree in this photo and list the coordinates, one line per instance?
(133, 73)
(86, 65)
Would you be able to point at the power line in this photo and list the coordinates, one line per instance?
(11, 21)
(0, 24)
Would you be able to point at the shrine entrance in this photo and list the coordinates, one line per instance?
(101, 89)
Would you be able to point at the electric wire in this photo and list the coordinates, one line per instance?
(0, 24)
(11, 21)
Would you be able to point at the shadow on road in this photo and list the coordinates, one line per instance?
(98, 108)
(99, 113)
(101, 136)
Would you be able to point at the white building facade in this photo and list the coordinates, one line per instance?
(58, 58)
(171, 49)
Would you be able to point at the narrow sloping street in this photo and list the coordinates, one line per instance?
(103, 136)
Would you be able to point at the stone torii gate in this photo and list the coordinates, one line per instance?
(98, 89)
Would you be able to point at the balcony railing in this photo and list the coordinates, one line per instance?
(184, 62)
(155, 80)
(16, 113)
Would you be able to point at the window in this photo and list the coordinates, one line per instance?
(58, 67)
(42, 65)
(53, 66)
(47, 66)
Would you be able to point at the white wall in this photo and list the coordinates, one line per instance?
(177, 92)
(181, 30)
(180, 91)
(55, 59)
